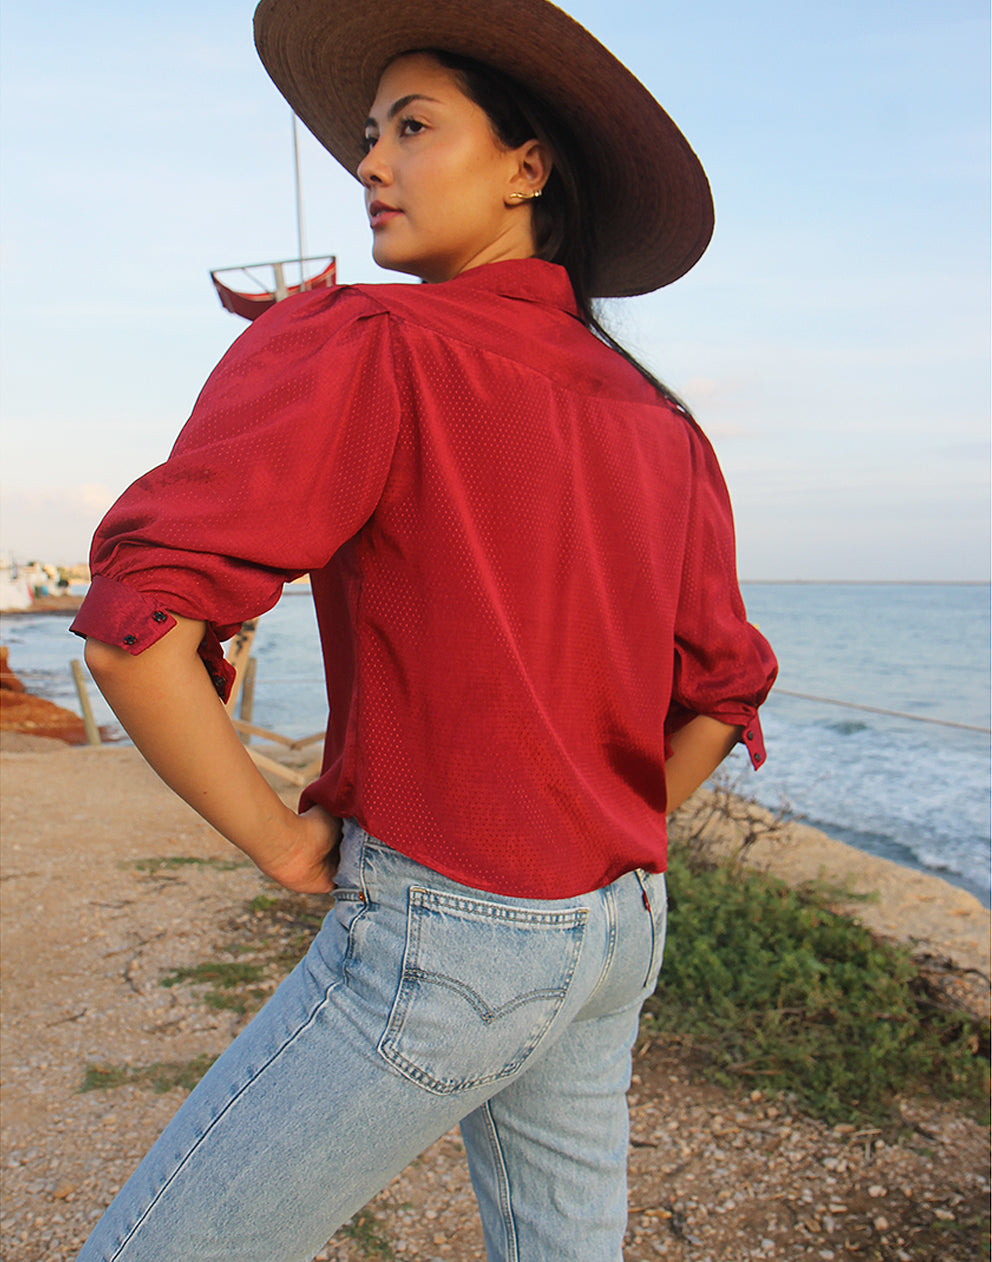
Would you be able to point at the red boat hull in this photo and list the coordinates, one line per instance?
(250, 306)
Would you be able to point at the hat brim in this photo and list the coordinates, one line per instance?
(650, 195)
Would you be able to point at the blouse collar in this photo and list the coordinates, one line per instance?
(532, 280)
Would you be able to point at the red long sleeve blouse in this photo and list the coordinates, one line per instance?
(522, 560)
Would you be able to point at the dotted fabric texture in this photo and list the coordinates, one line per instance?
(522, 561)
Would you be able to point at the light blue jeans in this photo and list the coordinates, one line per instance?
(421, 1003)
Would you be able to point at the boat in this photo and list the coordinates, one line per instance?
(272, 288)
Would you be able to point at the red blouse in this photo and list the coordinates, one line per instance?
(522, 560)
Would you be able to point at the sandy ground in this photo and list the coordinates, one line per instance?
(93, 920)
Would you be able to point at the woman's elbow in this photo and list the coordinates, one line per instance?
(105, 661)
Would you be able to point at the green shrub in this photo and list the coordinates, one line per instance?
(774, 990)
(227, 982)
(161, 1077)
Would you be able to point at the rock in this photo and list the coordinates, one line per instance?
(23, 712)
(8, 680)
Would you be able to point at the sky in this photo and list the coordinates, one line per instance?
(833, 341)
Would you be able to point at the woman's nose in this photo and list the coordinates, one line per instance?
(372, 169)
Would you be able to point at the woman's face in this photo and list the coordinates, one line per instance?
(438, 185)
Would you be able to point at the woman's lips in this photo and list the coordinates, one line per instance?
(380, 213)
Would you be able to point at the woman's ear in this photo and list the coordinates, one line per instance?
(533, 166)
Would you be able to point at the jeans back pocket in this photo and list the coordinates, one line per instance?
(480, 985)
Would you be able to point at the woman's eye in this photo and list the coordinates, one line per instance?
(410, 127)
(368, 143)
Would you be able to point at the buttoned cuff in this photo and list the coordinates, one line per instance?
(754, 741)
(118, 614)
(752, 737)
(734, 714)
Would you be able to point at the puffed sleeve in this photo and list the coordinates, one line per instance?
(724, 667)
(283, 459)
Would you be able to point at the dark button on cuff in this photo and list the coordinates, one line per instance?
(159, 616)
(130, 639)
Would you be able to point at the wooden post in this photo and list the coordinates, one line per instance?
(238, 653)
(79, 675)
(248, 696)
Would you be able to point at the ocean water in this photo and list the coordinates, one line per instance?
(912, 789)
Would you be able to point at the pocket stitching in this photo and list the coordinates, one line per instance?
(475, 1000)
(486, 911)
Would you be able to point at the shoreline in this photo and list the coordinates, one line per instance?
(959, 883)
(47, 604)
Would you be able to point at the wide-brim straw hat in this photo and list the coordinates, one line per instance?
(648, 191)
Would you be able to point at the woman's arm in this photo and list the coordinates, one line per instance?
(697, 751)
(168, 706)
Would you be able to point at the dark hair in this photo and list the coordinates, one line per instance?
(564, 227)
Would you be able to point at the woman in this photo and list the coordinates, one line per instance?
(522, 559)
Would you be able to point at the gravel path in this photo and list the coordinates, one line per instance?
(97, 908)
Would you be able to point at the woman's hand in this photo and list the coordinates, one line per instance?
(167, 704)
(310, 859)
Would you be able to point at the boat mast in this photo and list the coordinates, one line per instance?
(251, 303)
(301, 252)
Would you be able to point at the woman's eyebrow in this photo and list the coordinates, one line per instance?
(401, 104)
